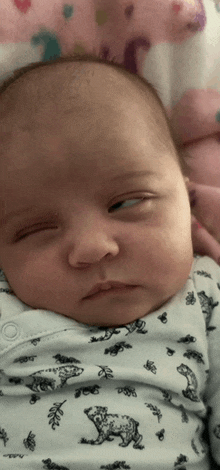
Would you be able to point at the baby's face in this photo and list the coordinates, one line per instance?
(90, 199)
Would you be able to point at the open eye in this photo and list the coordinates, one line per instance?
(124, 204)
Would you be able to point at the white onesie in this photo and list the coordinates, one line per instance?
(77, 397)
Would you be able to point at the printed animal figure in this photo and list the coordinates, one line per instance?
(170, 352)
(217, 431)
(150, 366)
(94, 389)
(207, 305)
(163, 317)
(190, 353)
(15, 380)
(160, 434)
(187, 339)
(49, 465)
(137, 326)
(180, 460)
(34, 399)
(109, 425)
(118, 347)
(116, 465)
(14, 456)
(24, 359)
(192, 383)
(43, 380)
(64, 359)
(108, 334)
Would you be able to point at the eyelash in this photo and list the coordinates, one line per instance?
(24, 235)
(31, 231)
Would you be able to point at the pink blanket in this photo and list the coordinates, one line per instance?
(175, 44)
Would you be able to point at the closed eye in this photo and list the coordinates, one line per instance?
(34, 229)
(126, 203)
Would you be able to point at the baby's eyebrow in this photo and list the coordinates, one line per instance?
(134, 174)
(13, 214)
(125, 176)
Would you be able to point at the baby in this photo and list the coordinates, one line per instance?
(109, 323)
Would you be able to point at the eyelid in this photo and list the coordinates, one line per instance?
(32, 229)
(22, 233)
(130, 197)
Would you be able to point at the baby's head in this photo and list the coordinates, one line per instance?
(91, 191)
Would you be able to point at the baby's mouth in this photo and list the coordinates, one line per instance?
(108, 288)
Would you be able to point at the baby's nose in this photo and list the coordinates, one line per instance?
(92, 248)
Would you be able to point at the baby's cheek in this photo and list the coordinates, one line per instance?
(24, 281)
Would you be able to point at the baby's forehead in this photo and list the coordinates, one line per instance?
(69, 86)
(93, 96)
